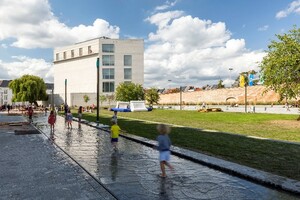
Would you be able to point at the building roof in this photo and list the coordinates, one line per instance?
(4, 83)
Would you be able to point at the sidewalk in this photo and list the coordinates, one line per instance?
(32, 168)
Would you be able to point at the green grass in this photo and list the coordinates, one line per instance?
(275, 157)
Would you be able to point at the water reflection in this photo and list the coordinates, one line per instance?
(114, 165)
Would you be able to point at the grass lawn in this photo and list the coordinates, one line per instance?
(275, 157)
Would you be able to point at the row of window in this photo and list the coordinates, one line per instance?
(106, 48)
(109, 73)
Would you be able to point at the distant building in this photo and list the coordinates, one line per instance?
(5, 93)
(75, 71)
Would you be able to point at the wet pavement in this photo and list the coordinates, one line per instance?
(32, 168)
(132, 172)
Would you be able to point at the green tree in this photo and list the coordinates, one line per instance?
(102, 98)
(86, 98)
(152, 96)
(28, 88)
(220, 84)
(129, 92)
(280, 68)
(110, 98)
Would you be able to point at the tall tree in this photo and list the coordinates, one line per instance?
(28, 88)
(152, 96)
(220, 84)
(280, 68)
(129, 92)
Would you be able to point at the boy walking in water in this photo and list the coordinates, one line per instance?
(164, 144)
(114, 130)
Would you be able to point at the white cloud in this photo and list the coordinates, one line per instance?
(167, 5)
(263, 28)
(4, 46)
(191, 51)
(32, 24)
(293, 7)
(24, 65)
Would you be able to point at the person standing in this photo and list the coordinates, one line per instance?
(164, 144)
(114, 131)
(79, 114)
(52, 120)
(30, 113)
(69, 119)
(115, 117)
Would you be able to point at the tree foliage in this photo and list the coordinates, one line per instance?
(129, 92)
(220, 84)
(28, 88)
(280, 68)
(86, 98)
(152, 96)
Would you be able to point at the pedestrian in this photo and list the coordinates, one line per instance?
(114, 131)
(52, 120)
(79, 114)
(115, 117)
(164, 144)
(30, 113)
(69, 119)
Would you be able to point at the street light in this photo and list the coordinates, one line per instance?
(98, 68)
(230, 69)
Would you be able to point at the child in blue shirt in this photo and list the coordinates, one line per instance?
(164, 144)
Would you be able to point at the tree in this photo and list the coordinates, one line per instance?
(28, 88)
(152, 96)
(129, 92)
(110, 98)
(280, 68)
(102, 98)
(86, 98)
(220, 84)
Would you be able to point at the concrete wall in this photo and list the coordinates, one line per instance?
(221, 96)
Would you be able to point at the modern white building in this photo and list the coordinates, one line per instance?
(75, 70)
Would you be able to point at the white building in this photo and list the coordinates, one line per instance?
(5, 93)
(75, 71)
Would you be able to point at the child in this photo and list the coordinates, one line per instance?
(69, 119)
(164, 144)
(114, 130)
(52, 119)
(79, 114)
(30, 113)
(115, 117)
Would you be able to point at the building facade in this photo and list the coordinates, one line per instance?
(75, 70)
(5, 93)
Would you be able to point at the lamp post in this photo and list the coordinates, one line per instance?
(230, 69)
(66, 92)
(98, 68)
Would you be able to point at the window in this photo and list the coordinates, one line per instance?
(65, 55)
(80, 51)
(127, 73)
(57, 56)
(5, 91)
(108, 60)
(90, 50)
(108, 73)
(108, 86)
(127, 60)
(108, 48)
(5, 97)
(72, 53)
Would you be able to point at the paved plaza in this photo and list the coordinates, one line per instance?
(80, 164)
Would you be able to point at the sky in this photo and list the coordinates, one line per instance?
(187, 42)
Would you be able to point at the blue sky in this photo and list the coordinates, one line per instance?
(191, 42)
